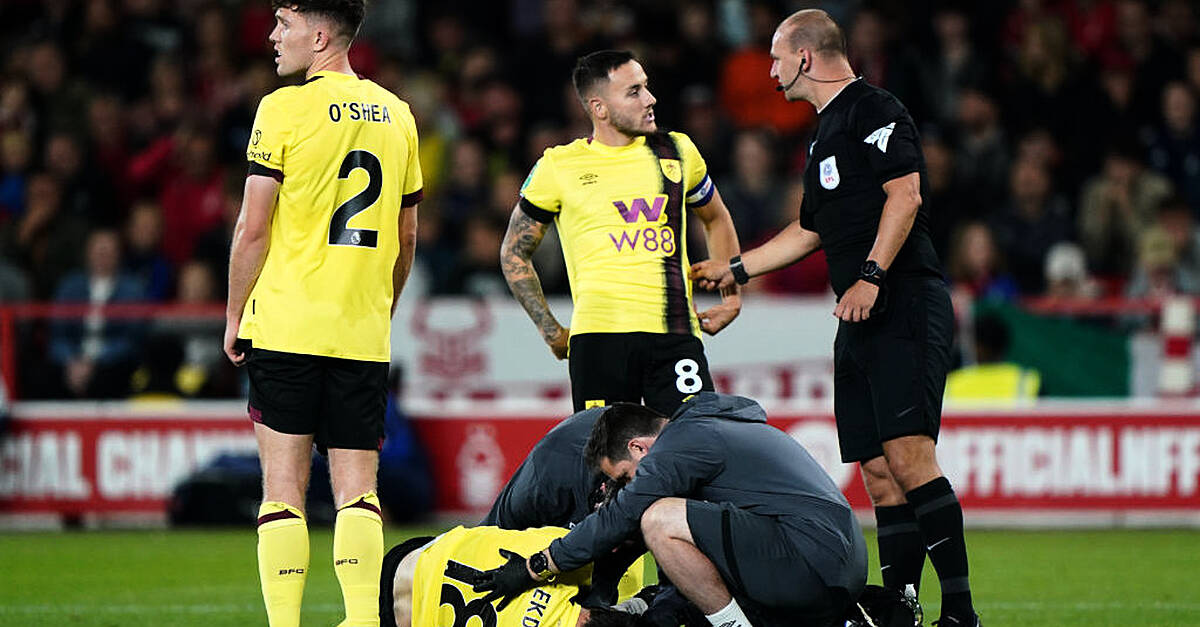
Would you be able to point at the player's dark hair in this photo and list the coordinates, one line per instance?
(346, 14)
(593, 68)
(387, 576)
(613, 430)
(604, 617)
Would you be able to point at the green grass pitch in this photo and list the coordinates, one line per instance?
(182, 578)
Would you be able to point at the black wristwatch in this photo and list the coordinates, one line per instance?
(872, 273)
(540, 565)
(739, 271)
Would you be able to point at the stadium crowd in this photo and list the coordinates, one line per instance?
(1062, 139)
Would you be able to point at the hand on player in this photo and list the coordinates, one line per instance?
(558, 342)
(506, 582)
(856, 303)
(711, 275)
(717, 317)
(231, 330)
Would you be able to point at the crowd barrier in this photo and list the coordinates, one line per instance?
(1052, 464)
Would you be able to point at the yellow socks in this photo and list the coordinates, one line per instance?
(358, 559)
(282, 561)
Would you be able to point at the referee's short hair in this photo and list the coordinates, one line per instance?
(613, 430)
(593, 68)
(815, 30)
(347, 15)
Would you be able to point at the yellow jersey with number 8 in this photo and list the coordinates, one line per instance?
(345, 153)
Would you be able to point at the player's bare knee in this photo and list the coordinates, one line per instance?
(659, 520)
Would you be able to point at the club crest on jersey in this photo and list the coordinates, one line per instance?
(671, 170)
(828, 173)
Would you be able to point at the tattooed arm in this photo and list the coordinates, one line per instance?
(516, 253)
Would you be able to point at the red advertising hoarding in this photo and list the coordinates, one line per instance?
(1105, 459)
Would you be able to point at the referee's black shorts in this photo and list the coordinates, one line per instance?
(341, 402)
(659, 369)
(768, 565)
(890, 371)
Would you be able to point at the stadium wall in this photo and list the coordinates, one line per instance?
(1048, 465)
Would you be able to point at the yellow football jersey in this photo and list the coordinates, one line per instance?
(442, 596)
(345, 152)
(625, 252)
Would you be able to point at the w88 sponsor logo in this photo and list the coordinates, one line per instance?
(654, 239)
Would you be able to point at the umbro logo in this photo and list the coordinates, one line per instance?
(728, 623)
(589, 178)
(880, 137)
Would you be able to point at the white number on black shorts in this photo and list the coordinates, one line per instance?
(688, 381)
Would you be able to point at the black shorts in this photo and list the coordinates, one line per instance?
(339, 401)
(763, 563)
(659, 369)
(890, 371)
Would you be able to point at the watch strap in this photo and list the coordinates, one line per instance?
(740, 276)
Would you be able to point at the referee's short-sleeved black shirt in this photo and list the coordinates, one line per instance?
(864, 139)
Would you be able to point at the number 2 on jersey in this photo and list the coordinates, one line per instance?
(339, 233)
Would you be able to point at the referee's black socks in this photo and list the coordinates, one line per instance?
(940, 518)
(901, 548)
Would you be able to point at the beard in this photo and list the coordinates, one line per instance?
(633, 126)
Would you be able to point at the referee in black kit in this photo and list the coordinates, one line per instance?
(864, 181)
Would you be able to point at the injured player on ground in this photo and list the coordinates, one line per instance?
(427, 582)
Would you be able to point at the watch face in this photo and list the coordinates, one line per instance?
(537, 562)
(869, 268)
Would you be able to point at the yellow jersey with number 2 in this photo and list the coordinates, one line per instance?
(345, 153)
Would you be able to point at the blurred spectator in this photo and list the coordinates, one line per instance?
(213, 246)
(886, 61)
(702, 121)
(992, 379)
(105, 53)
(1154, 63)
(1044, 89)
(43, 239)
(1066, 273)
(1092, 24)
(1168, 255)
(203, 369)
(1116, 206)
(108, 146)
(97, 355)
(1175, 144)
(981, 156)
(466, 192)
(1034, 220)
(747, 91)
(477, 272)
(57, 97)
(16, 107)
(144, 259)
(85, 193)
(754, 193)
(976, 269)
(956, 64)
(15, 157)
(947, 200)
(190, 181)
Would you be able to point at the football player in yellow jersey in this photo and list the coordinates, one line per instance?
(620, 200)
(427, 582)
(321, 251)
